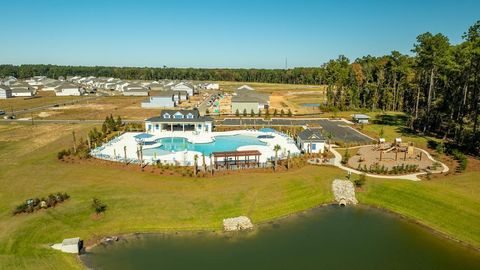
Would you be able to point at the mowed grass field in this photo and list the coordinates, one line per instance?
(144, 202)
(136, 201)
(449, 205)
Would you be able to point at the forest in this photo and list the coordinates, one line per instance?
(437, 85)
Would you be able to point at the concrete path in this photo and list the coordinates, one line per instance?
(413, 177)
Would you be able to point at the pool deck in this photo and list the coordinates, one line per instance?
(186, 158)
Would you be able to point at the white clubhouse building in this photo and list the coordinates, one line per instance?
(179, 120)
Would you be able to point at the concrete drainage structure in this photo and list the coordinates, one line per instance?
(344, 192)
(237, 224)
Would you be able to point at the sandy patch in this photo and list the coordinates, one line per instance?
(87, 106)
(47, 114)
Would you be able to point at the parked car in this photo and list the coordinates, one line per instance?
(2, 112)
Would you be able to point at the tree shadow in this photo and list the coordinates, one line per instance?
(391, 120)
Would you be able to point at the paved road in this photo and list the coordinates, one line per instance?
(202, 108)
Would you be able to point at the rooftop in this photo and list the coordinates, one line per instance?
(311, 135)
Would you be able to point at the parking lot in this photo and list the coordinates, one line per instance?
(340, 130)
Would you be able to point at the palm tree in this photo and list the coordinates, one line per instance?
(211, 164)
(288, 159)
(276, 148)
(195, 157)
(329, 137)
(204, 165)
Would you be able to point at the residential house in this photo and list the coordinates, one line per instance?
(5, 92)
(22, 89)
(246, 87)
(51, 86)
(212, 86)
(249, 100)
(190, 89)
(135, 90)
(8, 80)
(69, 89)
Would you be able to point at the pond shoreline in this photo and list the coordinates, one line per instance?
(98, 240)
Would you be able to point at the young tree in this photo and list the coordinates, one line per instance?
(119, 122)
(98, 206)
(252, 113)
(237, 113)
(276, 148)
(195, 165)
(244, 112)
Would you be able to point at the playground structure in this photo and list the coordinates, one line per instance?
(391, 154)
(407, 149)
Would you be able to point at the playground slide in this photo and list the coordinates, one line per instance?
(389, 149)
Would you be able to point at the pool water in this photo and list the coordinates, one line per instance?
(221, 143)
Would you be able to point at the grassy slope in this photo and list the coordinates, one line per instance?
(450, 205)
(145, 202)
(136, 201)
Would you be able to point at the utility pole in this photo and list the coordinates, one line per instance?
(286, 63)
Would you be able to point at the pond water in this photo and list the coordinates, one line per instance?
(323, 238)
(221, 143)
(310, 104)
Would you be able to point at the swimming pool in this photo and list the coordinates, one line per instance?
(220, 144)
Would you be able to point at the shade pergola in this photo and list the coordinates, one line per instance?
(235, 158)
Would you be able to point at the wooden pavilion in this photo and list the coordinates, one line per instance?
(237, 159)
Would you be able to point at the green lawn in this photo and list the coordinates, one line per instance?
(136, 201)
(147, 202)
(450, 205)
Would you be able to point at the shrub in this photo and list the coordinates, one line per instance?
(63, 153)
(462, 160)
(360, 181)
(98, 206)
(31, 205)
(346, 157)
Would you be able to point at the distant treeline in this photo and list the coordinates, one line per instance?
(290, 76)
(438, 87)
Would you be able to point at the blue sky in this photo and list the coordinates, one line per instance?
(208, 33)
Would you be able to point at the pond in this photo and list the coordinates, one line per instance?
(323, 238)
(310, 104)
